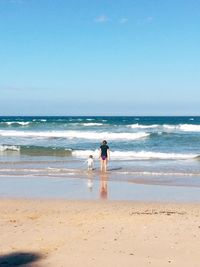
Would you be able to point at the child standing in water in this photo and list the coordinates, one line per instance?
(104, 155)
(90, 163)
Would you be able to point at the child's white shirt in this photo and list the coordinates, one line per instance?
(90, 162)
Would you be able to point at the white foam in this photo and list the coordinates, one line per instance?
(183, 127)
(75, 134)
(160, 173)
(23, 123)
(151, 155)
(39, 120)
(139, 126)
(85, 153)
(9, 148)
(92, 124)
(133, 155)
(170, 127)
(189, 127)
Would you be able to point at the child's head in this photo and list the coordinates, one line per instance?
(90, 156)
(104, 142)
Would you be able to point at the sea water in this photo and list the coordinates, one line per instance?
(143, 150)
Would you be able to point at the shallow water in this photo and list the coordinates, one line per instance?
(94, 189)
(145, 151)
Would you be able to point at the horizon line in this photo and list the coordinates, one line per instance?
(99, 115)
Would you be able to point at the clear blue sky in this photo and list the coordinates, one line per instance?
(100, 57)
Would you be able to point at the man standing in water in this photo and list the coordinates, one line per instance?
(104, 155)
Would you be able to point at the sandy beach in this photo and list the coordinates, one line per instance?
(98, 233)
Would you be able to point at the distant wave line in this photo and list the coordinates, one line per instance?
(169, 127)
(75, 134)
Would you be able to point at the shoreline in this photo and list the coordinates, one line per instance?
(110, 233)
(95, 188)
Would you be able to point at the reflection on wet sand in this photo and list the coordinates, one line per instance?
(103, 186)
(90, 180)
(103, 183)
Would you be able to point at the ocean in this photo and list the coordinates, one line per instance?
(144, 150)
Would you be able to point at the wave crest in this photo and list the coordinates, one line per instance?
(115, 155)
(21, 123)
(76, 134)
(140, 126)
(4, 148)
(133, 155)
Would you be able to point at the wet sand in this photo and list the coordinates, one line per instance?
(98, 233)
(91, 187)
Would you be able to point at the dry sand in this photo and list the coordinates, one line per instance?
(81, 233)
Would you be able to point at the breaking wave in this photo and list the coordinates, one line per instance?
(132, 155)
(37, 150)
(88, 124)
(139, 126)
(75, 134)
(190, 127)
(115, 155)
(167, 127)
(19, 123)
(4, 148)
